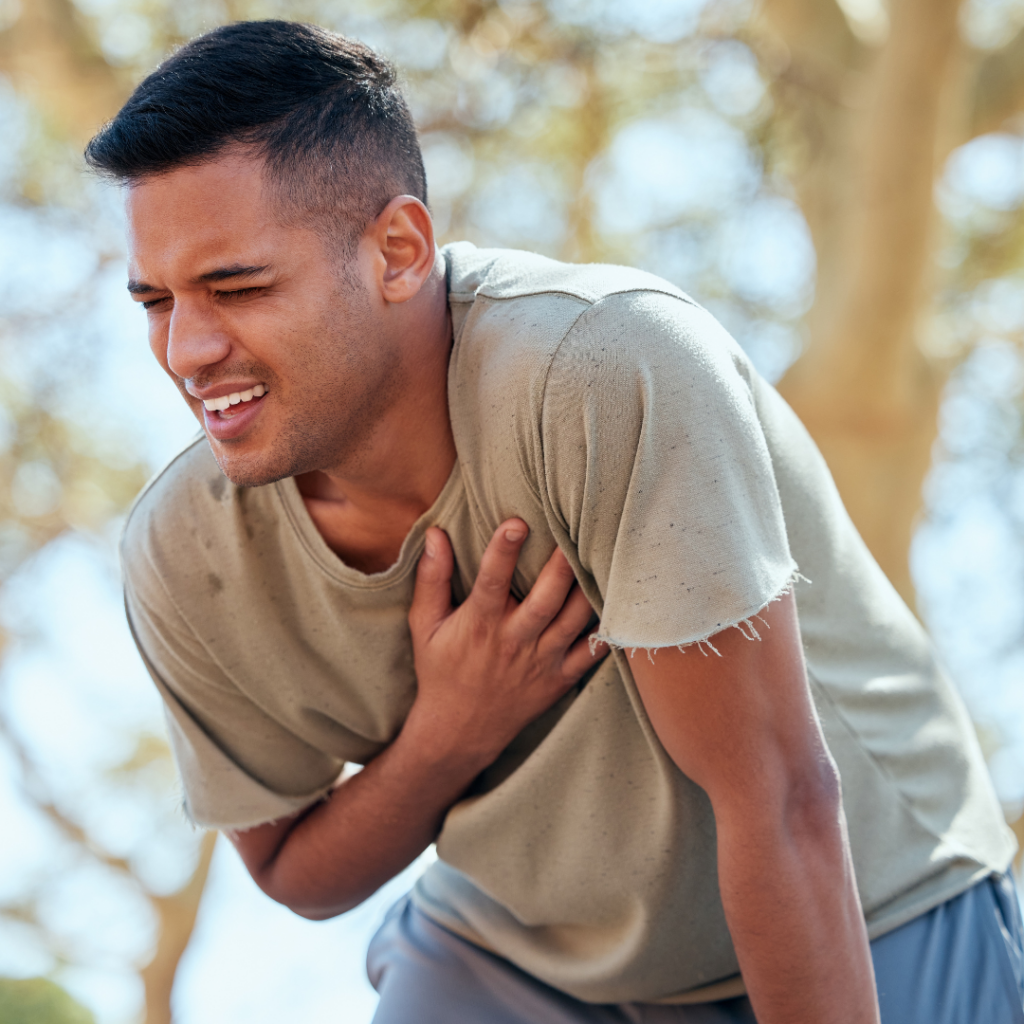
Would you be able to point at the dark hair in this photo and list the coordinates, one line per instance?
(323, 111)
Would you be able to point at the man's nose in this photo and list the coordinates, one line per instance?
(196, 339)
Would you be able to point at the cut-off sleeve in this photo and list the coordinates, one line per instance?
(656, 462)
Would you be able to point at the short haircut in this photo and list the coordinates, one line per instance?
(324, 112)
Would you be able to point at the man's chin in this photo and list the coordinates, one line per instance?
(250, 471)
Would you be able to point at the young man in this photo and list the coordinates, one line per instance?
(656, 833)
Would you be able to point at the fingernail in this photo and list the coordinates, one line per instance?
(429, 547)
(514, 534)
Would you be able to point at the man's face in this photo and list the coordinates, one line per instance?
(244, 307)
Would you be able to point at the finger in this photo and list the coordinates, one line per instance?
(489, 597)
(545, 600)
(432, 597)
(571, 620)
(580, 658)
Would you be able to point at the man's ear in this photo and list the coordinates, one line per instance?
(404, 237)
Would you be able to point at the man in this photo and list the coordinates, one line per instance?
(653, 834)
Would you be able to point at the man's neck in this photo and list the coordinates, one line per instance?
(365, 507)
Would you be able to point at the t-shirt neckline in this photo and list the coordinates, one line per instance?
(317, 548)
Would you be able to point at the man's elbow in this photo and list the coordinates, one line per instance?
(318, 913)
(799, 807)
(812, 806)
(303, 899)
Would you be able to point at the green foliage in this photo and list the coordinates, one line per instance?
(39, 1001)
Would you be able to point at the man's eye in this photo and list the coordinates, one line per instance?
(240, 293)
(151, 303)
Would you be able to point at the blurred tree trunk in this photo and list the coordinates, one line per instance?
(877, 125)
(863, 388)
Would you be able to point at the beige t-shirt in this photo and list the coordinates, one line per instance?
(624, 425)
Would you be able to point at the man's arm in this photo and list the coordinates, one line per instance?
(743, 727)
(484, 671)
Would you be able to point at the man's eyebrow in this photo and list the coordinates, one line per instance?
(232, 271)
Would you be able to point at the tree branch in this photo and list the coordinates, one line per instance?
(816, 30)
(177, 920)
(32, 785)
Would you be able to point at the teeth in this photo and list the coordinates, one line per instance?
(226, 401)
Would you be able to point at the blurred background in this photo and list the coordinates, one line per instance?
(840, 181)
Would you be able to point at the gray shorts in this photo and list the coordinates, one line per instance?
(961, 963)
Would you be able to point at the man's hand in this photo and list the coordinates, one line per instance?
(484, 672)
(743, 727)
(487, 669)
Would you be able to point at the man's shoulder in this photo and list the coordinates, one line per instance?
(173, 502)
(517, 312)
(533, 334)
(512, 274)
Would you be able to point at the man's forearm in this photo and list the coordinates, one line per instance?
(791, 903)
(373, 825)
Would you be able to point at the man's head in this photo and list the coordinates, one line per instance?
(322, 112)
(278, 237)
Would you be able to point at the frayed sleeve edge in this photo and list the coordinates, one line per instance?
(745, 623)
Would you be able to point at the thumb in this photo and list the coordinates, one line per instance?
(432, 598)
